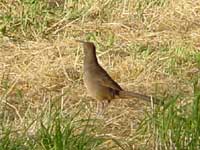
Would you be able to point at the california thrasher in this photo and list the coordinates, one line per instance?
(99, 84)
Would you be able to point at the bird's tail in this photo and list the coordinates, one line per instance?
(130, 94)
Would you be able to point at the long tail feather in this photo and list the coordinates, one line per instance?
(130, 94)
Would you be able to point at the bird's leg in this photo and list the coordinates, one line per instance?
(105, 105)
(101, 107)
(98, 107)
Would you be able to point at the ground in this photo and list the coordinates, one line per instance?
(151, 47)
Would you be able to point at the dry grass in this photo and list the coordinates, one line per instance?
(147, 46)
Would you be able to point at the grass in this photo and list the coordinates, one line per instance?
(175, 127)
(59, 132)
(148, 46)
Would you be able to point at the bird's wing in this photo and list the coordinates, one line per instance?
(105, 80)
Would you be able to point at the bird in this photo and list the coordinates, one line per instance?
(99, 84)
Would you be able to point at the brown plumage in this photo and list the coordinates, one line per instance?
(99, 84)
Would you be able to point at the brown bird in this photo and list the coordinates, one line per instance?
(99, 84)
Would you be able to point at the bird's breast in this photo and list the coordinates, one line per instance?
(90, 84)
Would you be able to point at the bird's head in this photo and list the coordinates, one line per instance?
(89, 48)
